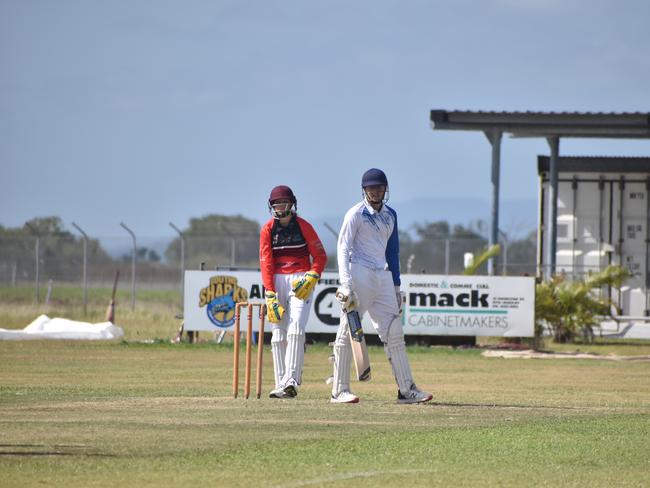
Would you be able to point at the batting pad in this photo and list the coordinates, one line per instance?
(279, 350)
(342, 360)
(395, 350)
(295, 357)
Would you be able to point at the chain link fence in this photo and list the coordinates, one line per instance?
(447, 256)
(25, 260)
(69, 260)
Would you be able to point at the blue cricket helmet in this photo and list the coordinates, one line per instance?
(373, 177)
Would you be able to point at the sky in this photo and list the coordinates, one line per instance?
(150, 112)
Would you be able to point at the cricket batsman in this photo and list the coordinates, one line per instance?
(292, 259)
(368, 262)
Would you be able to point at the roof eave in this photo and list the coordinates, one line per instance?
(544, 124)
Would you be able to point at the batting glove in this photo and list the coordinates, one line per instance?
(303, 287)
(274, 310)
(346, 298)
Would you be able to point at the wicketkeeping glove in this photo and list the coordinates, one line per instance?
(274, 310)
(302, 287)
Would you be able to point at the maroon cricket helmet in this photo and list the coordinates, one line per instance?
(282, 192)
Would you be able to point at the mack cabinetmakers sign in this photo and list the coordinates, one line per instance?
(469, 305)
(435, 304)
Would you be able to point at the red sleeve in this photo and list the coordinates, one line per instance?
(266, 257)
(315, 246)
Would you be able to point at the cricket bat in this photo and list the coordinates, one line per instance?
(359, 348)
(110, 311)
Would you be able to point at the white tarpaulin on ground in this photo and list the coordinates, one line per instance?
(46, 328)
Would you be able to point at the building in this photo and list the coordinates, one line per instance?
(603, 218)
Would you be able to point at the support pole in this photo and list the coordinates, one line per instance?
(37, 259)
(182, 236)
(574, 228)
(621, 236)
(494, 136)
(554, 144)
(132, 264)
(85, 266)
(233, 244)
(646, 276)
(409, 263)
(447, 256)
(333, 231)
(541, 229)
(504, 261)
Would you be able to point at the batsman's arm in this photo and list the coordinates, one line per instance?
(267, 264)
(344, 246)
(392, 252)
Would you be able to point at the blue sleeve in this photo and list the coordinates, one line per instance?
(392, 251)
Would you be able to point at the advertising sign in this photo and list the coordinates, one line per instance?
(435, 305)
(469, 305)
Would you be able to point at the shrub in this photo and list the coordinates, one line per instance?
(569, 308)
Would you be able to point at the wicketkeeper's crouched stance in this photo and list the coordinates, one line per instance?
(368, 261)
(292, 259)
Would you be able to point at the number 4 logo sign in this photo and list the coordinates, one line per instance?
(326, 308)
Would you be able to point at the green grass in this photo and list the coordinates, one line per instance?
(136, 413)
(132, 414)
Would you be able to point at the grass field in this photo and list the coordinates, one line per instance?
(156, 414)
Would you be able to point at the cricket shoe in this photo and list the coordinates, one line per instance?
(344, 397)
(284, 392)
(414, 395)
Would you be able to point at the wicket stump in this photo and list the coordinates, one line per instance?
(249, 342)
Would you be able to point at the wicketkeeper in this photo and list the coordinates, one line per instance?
(292, 259)
(368, 262)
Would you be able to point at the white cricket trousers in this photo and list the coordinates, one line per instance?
(375, 294)
(288, 335)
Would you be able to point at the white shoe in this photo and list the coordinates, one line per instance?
(344, 397)
(284, 392)
(415, 395)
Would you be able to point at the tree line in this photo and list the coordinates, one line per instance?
(430, 247)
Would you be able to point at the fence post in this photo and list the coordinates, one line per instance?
(36, 259)
(409, 263)
(504, 238)
(48, 295)
(232, 246)
(132, 264)
(182, 262)
(85, 267)
(446, 256)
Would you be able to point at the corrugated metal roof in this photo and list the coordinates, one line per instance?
(631, 125)
(533, 112)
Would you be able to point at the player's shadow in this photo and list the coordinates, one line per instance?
(502, 406)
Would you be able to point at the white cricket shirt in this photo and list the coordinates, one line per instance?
(368, 238)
